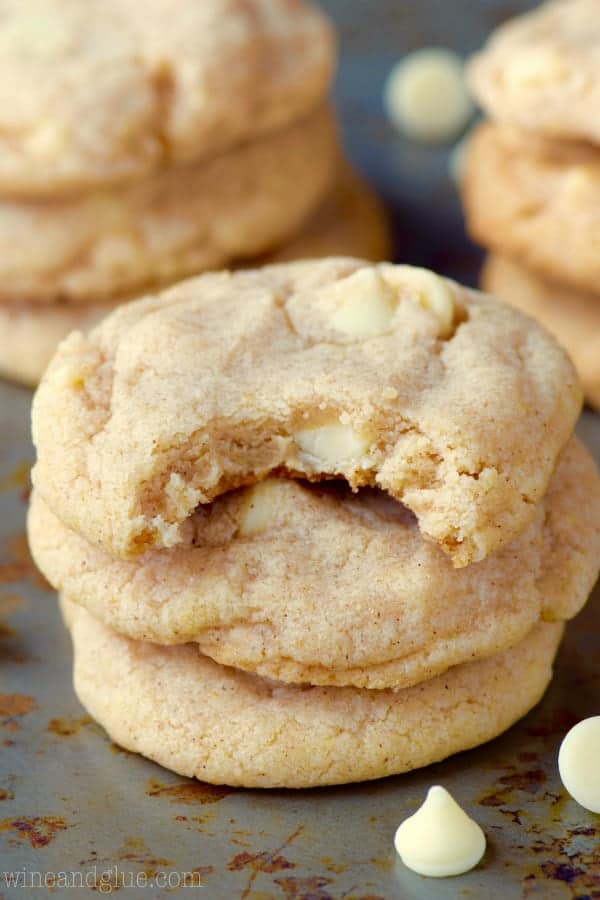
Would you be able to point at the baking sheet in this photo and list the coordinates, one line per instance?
(71, 801)
(77, 812)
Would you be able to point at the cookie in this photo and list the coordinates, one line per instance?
(113, 90)
(350, 222)
(90, 247)
(541, 71)
(248, 586)
(573, 317)
(453, 403)
(30, 335)
(223, 726)
(537, 202)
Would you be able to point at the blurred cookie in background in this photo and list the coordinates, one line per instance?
(530, 179)
(139, 146)
(536, 201)
(572, 316)
(541, 71)
(351, 221)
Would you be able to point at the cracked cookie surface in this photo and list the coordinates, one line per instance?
(452, 402)
(315, 584)
(228, 727)
(112, 90)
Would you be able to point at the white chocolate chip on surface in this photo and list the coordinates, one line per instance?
(333, 445)
(579, 763)
(259, 511)
(366, 305)
(440, 839)
(426, 96)
(432, 293)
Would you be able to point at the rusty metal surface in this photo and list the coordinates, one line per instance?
(72, 802)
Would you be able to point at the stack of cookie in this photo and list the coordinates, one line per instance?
(532, 174)
(143, 142)
(313, 523)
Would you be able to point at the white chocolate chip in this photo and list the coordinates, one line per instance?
(332, 446)
(579, 763)
(440, 839)
(426, 96)
(366, 305)
(431, 292)
(259, 511)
